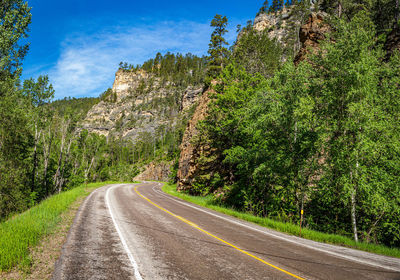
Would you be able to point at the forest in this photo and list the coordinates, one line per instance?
(318, 135)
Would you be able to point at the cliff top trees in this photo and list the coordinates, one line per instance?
(257, 52)
(276, 5)
(263, 9)
(217, 50)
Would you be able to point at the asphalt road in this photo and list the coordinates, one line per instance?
(138, 232)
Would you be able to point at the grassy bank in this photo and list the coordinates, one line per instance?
(24, 231)
(284, 227)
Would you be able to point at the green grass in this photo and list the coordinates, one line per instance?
(25, 230)
(289, 228)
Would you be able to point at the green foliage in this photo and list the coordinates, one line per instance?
(40, 151)
(78, 106)
(257, 52)
(108, 96)
(384, 13)
(276, 6)
(15, 136)
(39, 93)
(263, 9)
(182, 70)
(218, 52)
(221, 129)
(15, 18)
(358, 126)
(322, 136)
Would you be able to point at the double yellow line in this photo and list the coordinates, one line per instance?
(216, 237)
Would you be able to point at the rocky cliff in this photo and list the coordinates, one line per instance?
(190, 152)
(279, 25)
(140, 103)
(282, 27)
(158, 171)
(311, 33)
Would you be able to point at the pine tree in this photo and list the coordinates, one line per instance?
(276, 5)
(217, 50)
(263, 9)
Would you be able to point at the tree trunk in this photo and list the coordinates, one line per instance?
(396, 15)
(154, 147)
(57, 177)
(353, 215)
(87, 171)
(62, 180)
(36, 140)
(46, 156)
(353, 204)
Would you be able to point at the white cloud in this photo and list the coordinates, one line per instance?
(87, 62)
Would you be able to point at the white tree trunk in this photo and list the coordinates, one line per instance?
(36, 140)
(87, 171)
(57, 177)
(46, 156)
(353, 215)
(354, 203)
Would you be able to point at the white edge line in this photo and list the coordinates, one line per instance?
(121, 237)
(277, 236)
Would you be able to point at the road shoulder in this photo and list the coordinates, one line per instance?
(48, 250)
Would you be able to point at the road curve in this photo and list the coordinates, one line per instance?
(132, 231)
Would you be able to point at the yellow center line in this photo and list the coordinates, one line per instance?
(216, 237)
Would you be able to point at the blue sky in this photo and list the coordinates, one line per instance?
(79, 44)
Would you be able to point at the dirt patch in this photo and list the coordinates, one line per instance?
(47, 252)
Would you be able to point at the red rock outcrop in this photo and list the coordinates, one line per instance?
(190, 152)
(311, 34)
(191, 165)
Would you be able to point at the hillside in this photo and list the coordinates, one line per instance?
(141, 105)
(299, 115)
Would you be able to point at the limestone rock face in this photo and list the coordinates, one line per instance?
(140, 104)
(311, 34)
(276, 24)
(188, 167)
(190, 96)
